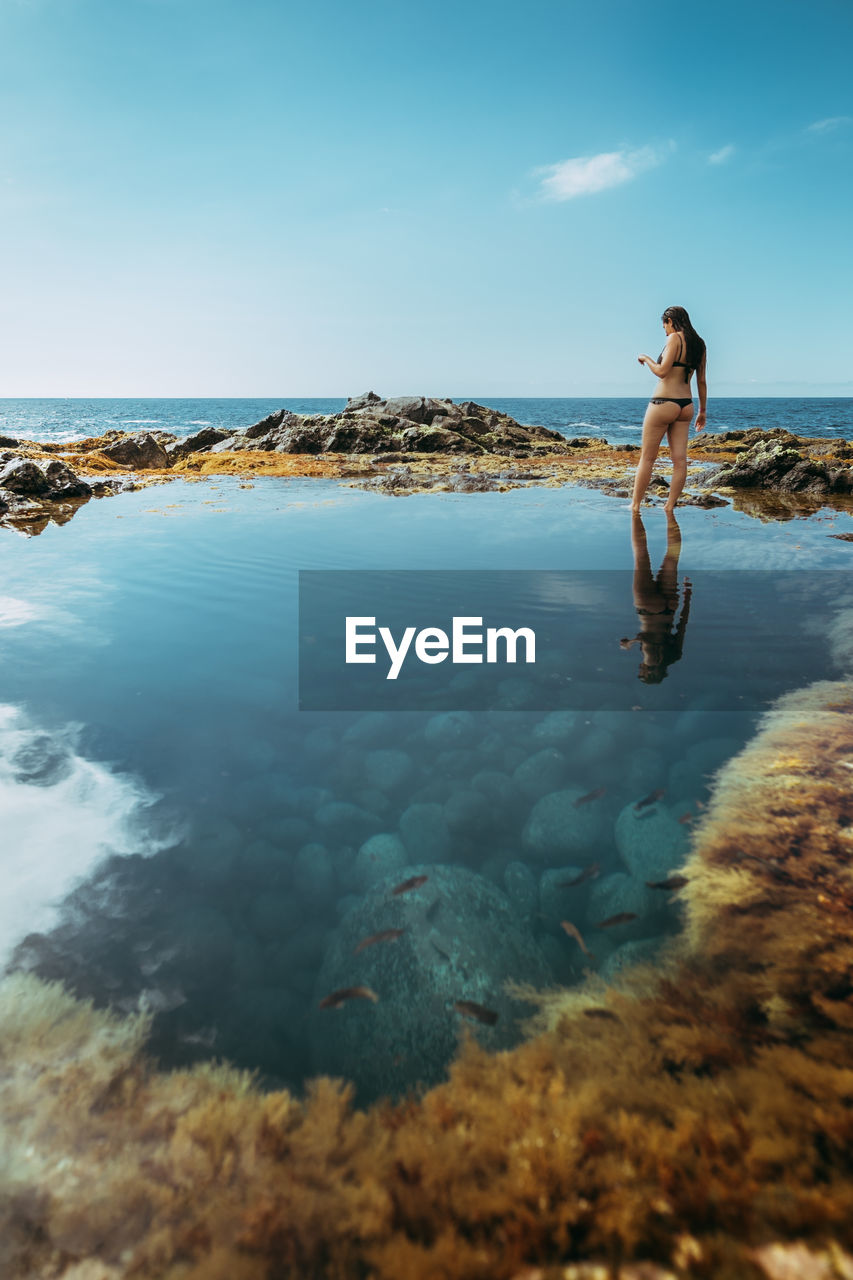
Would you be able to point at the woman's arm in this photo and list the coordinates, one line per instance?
(702, 388)
(667, 358)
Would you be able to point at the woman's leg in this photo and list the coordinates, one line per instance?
(658, 420)
(677, 436)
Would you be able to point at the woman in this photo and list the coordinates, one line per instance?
(671, 409)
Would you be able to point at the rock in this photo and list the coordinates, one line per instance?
(9, 442)
(468, 812)
(617, 893)
(199, 442)
(274, 422)
(313, 873)
(424, 832)
(25, 478)
(558, 897)
(140, 450)
(346, 822)
(557, 828)
(521, 890)
(557, 726)
(380, 857)
(64, 483)
(641, 951)
(461, 941)
(650, 841)
(450, 729)
(361, 402)
(541, 773)
(387, 770)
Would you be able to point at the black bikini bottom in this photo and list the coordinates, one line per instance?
(672, 400)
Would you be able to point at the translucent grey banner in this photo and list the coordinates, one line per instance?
(425, 640)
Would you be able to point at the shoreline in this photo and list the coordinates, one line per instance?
(769, 475)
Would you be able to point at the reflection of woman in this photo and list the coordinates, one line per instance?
(656, 601)
(671, 409)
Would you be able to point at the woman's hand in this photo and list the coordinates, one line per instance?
(700, 421)
(644, 359)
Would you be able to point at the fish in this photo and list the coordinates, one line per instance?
(574, 932)
(623, 917)
(590, 795)
(686, 817)
(671, 882)
(337, 998)
(470, 1009)
(588, 873)
(384, 935)
(413, 882)
(650, 799)
(600, 1013)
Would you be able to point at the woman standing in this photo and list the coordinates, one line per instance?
(671, 408)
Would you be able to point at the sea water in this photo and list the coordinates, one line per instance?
(178, 836)
(617, 419)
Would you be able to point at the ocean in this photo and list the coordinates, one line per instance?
(616, 419)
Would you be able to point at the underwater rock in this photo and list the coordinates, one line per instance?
(451, 729)
(348, 822)
(379, 857)
(557, 727)
(387, 769)
(617, 894)
(313, 873)
(424, 832)
(540, 773)
(562, 890)
(461, 942)
(559, 827)
(627, 955)
(651, 842)
(521, 890)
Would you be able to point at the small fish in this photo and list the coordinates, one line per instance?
(686, 817)
(622, 918)
(671, 882)
(650, 799)
(337, 998)
(384, 935)
(600, 1013)
(588, 873)
(413, 882)
(574, 932)
(590, 795)
(470, 1009)
(700, 804)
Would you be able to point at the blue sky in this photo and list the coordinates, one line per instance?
(265, 198)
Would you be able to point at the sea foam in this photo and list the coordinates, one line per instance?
(61, 814)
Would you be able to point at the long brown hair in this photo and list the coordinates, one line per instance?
(694, 345)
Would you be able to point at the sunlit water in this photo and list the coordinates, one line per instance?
(177, 835)
(615, 418)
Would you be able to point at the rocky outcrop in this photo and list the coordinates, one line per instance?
(32, 494)
(777, 460)
(139, 450)
(370, 425)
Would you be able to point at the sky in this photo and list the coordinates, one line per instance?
(466, 197)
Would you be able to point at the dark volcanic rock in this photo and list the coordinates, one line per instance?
(9, 441)
(24, 478)
(368, 424)
(64, 483)
(199, 442)
(139, 450)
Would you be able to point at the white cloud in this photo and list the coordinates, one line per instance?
(720, 157)
(584, 175)
(831, 122)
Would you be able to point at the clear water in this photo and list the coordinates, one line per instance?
(176, 832)
(616, 419)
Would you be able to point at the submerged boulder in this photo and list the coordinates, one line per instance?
(462, 940)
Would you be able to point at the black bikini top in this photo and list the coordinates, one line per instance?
(682, 364)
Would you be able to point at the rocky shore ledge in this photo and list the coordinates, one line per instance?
(415, 443)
